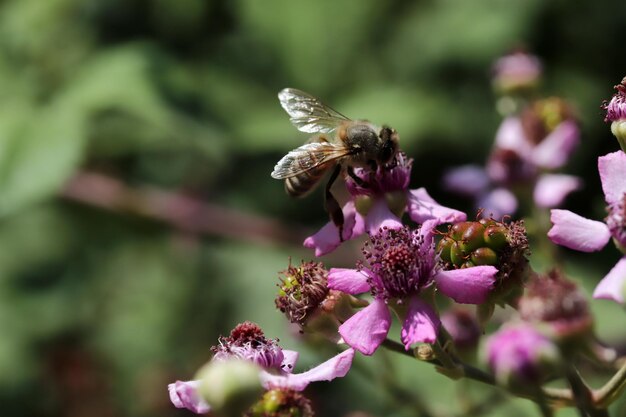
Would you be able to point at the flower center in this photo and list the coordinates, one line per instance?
(616, 108)
(400, 262)
(616, 221)
(247, 342)
(302, 290)
(394, 176)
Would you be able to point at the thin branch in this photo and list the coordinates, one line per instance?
(179, 211)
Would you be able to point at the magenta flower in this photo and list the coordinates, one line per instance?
(378, 202)
(520, 156)
(401, 264)
(248, 342)
(585, 235)
(520, 354)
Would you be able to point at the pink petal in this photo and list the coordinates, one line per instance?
(184, 394)
(290, 357)
(498, 203)
(612, 285)
(349, 281)
(467, 285)
(336, 367)
(612, 169)
(368, 328)
(470, 180)
(551, 189)
(556, 148)
(380, 216)
(576, 232)
(422, 207)
(510, 135)
(421, 324)
(327, 239)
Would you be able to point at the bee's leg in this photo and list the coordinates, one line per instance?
(356, 178)
(332, 205)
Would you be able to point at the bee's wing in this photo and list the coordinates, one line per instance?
(307, 113)
(308, 157)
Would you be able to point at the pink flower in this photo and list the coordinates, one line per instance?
(379, 200)
(520, 156)
(248, 342)
(578, 233)
(520, 354)
(401, 263)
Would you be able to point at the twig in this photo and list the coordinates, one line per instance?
(179, 211)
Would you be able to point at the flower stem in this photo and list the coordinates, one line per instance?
(583, 396)
(612, 389)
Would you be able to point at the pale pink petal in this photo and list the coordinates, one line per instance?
(379, 216)
(498, 202)
(290, 357)
(421, 324)
(327, 239)
(467, 285)
(612, 285)
(576, 232)
(551, 189)
(422, 207)
(469, 180)
(556, 148)
(368, 328)
(612, 169)
(184, 394)
(336, 367)
(510, 135)
(350, 281)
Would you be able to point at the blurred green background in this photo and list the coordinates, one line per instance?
(162, 117)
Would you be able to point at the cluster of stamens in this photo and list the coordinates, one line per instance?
(281, 403)
(248, 342)
(395, 176)
(302, 290)
(400, 263)
(616, 221)
(551, 298)
(616, 108)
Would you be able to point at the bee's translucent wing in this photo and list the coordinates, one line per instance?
(307, 113)
(308, 157)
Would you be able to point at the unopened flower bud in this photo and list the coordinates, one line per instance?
(281, 403)
(520, 356)
(616, 113)
(516, 73)
(230, 386)
(557, 304)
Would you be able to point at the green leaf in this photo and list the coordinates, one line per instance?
(40, 148)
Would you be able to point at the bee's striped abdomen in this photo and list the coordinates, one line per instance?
(299, 185)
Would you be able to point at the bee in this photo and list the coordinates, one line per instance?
(338, 146)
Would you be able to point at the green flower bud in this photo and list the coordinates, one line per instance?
(363, 204)
(396, 201)
(230, 386)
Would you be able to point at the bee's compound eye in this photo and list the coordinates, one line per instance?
(388, 150)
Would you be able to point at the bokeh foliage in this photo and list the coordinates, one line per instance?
(100, 310)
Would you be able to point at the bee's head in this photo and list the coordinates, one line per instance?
(389, 148)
